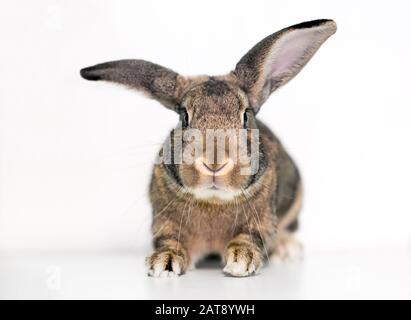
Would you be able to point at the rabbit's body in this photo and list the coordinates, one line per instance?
(241, 198)
(269, 207)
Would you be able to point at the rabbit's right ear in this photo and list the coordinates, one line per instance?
(159, 83)
(279, 57)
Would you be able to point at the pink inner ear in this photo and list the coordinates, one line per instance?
(290, 52)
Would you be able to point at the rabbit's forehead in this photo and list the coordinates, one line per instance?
(215, 103)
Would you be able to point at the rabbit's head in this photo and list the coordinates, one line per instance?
(217, 114)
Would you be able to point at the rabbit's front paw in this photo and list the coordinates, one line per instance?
(242, 260)
(287, 249)
(166, 263)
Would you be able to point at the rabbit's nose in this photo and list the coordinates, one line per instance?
(214, 169)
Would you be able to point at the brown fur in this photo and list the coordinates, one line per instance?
(209, 226)
(258, 219)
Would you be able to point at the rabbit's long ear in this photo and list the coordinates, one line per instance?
(157, 82)
(279, 57)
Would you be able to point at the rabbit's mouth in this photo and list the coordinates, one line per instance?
(214, 192)
(208, 181)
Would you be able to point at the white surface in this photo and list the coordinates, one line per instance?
(76, 156)
(322, 275)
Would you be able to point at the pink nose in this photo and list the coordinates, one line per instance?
(214, 169)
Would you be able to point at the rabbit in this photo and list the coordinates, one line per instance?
(211, 207)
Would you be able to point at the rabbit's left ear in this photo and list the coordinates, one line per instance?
(279, 57)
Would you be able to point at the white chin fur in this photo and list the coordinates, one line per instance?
(210, 193)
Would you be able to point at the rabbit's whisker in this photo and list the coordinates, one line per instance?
(236, 216)
(248, 224)
(165, 208)
(181, 222)
(256, 217)
(190, 207)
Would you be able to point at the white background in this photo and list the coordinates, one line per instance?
(76, 156)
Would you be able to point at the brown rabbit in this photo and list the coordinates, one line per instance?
(209, 205)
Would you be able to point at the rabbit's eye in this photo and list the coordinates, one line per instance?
(246, 118)
(184, 118)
